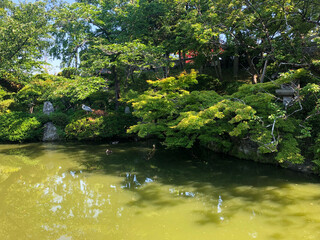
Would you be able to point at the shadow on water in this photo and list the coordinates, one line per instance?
(215, 179)
(31, 151)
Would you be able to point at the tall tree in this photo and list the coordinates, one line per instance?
(23, 35)
(269, 33)
(72, 31)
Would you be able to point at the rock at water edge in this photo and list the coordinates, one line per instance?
(50, 133)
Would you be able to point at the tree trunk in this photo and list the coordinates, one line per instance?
(236, 63)
(264, 71)
(180, 59)
(167, 68)
(219, 69)
(252, 69)
(76, 61)
(31, 107)
(255, 78)
(183, 59)
(215, 67)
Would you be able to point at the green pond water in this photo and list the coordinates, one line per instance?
(77, 191)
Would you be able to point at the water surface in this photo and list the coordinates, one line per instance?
(77, 191)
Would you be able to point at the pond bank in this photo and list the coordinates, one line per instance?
(244, 150)
(248, 150)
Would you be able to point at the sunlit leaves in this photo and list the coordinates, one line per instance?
(18, 126)
(77, 88)
(289, 151)
(183, 81)
(72, 31)
(23, 35)
(166, 111)
(134, 54)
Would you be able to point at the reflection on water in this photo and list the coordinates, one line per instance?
(52, 191)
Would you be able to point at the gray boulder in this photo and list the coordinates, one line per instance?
(48, 108)
(127, 110)
(50, 133)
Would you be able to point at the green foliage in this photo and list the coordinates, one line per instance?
(163, 99)
(71, 31)
(289, 151)
(169, 111)
(3, 93)
(68, 72)
(311, 107)
(59, 119)
(316, 66)
(5, 105)
(84, 129)
(33, 93)
(316, 150)
(75, 89)
(110, 48)
(316, 168)
(183, 81)
(206, 83)
(27, 97)
(222, 120)
(97, 128)
(24, 36)
(133, 53)
(287, 131)
(301, 75)
(182, 118)
(43, 118)
(18, 127)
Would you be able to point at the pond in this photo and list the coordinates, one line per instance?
(77, 191)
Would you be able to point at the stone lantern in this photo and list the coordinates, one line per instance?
(287, 92)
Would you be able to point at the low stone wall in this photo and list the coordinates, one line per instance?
(245, 149)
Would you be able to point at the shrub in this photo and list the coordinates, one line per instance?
(3, 93)
(182, 118)
(43, 118)
(94, 128)
(5, 104)
(206, 82)
(116, 125)
(18, 127)
(85, 128)
(59, 118)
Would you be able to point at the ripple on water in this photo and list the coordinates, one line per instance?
(75, 191)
